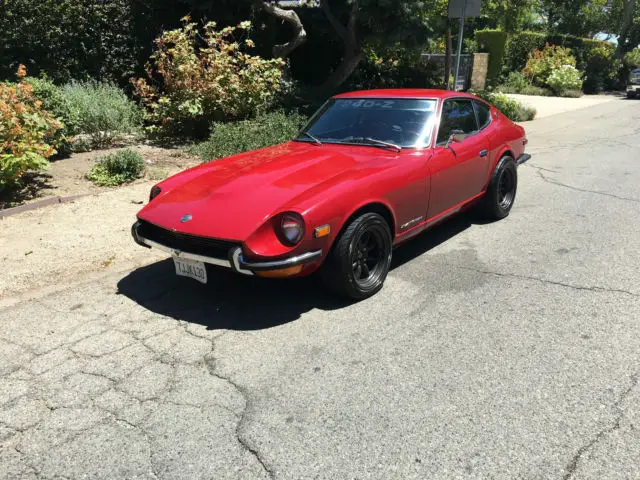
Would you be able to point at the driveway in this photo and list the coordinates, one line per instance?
(505, 350)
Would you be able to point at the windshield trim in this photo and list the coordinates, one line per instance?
(426, 146)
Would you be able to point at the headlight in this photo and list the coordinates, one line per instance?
(292, 228)
(155, 191)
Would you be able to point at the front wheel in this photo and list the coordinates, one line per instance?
(359, 262)
(501, 194)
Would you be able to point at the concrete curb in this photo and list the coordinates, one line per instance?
(7, 212)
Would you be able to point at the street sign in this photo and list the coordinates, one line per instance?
(464, 8)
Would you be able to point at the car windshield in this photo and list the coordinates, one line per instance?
(379, 122)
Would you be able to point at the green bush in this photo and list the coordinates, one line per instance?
(512, 109)
(117, 168)
(565, 78)
(542, 63)
(24, 130)
(494, 42)
(101, 111)
(632, 59)
(54, 101)
(516, 82)
(72, 39)
(594, 57)
(395, 67)
(206, 78)
(519, 46)
(245, 135)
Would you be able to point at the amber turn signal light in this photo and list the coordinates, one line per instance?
(322, 231)
(286, 272)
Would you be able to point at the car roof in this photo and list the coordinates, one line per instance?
(404, 93)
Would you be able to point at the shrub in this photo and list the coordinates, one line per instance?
(512, 109)
(206, 79)
(101, 111)
(519, 46)
(71, 38)
(565, 78)
(54, 101)
(245, 135)
(516, 82)
(24, 130)
(494, 42)
(632, 59)
(394, 67)
(542, 63)
(602, 71)
(117, 168)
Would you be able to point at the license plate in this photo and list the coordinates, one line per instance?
(191, 269)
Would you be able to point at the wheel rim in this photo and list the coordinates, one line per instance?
(506, 189)
(368, 258)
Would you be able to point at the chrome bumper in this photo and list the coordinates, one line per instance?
(523, 158)
(236, 260)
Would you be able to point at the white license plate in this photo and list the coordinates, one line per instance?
(191, 269)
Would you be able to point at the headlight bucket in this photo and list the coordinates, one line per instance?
(155, 191)
(291, 229)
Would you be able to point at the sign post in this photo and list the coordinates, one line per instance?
(462, 9)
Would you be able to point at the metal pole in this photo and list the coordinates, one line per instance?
(460, 35)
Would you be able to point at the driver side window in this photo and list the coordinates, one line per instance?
(457, 114)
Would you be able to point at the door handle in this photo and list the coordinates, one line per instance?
(484, 153)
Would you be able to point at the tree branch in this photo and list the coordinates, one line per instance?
(337, 26)
(292, 18)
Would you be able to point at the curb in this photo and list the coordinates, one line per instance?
(7, 212)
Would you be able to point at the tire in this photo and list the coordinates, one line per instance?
(351, 272)
(631, 95)
(501, 194)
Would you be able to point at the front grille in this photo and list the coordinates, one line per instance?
(209, 247)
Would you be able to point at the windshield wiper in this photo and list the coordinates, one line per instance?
(376, 143)
(307, 134)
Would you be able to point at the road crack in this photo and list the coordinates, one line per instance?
(575, 460)
(543, 280)
(578, 189)
(210, 362)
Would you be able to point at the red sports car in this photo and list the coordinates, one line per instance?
(369, 171)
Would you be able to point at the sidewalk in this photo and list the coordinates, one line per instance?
(547, 106)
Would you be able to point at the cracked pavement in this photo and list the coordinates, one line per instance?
(505, 350)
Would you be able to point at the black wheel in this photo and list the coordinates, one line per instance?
(501, 194)
(631, 95)
(359, 262)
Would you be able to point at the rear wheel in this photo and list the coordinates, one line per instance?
(501, 194)
(360, 259)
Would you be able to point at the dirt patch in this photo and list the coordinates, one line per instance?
(66, 177)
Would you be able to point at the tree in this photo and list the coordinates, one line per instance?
(289, 16)
(370, 22)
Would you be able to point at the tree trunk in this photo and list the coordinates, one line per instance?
(292, 18)
(347, 66)
(352, 49)
(447, 59)
(627, 20)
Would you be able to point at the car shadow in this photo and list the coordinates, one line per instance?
(236, 302)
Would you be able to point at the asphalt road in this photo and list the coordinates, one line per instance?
(505, 350)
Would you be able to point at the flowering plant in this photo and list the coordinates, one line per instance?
(24, 130)
(195, 79)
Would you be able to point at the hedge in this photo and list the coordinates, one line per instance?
(594, 57)
(493, 42)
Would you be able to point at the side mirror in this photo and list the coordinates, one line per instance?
(457, 136)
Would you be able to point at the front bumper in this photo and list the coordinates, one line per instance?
(525, 157)
(235, 261)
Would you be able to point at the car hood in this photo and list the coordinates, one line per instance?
(231, 198)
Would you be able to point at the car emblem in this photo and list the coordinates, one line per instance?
(186, 218)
